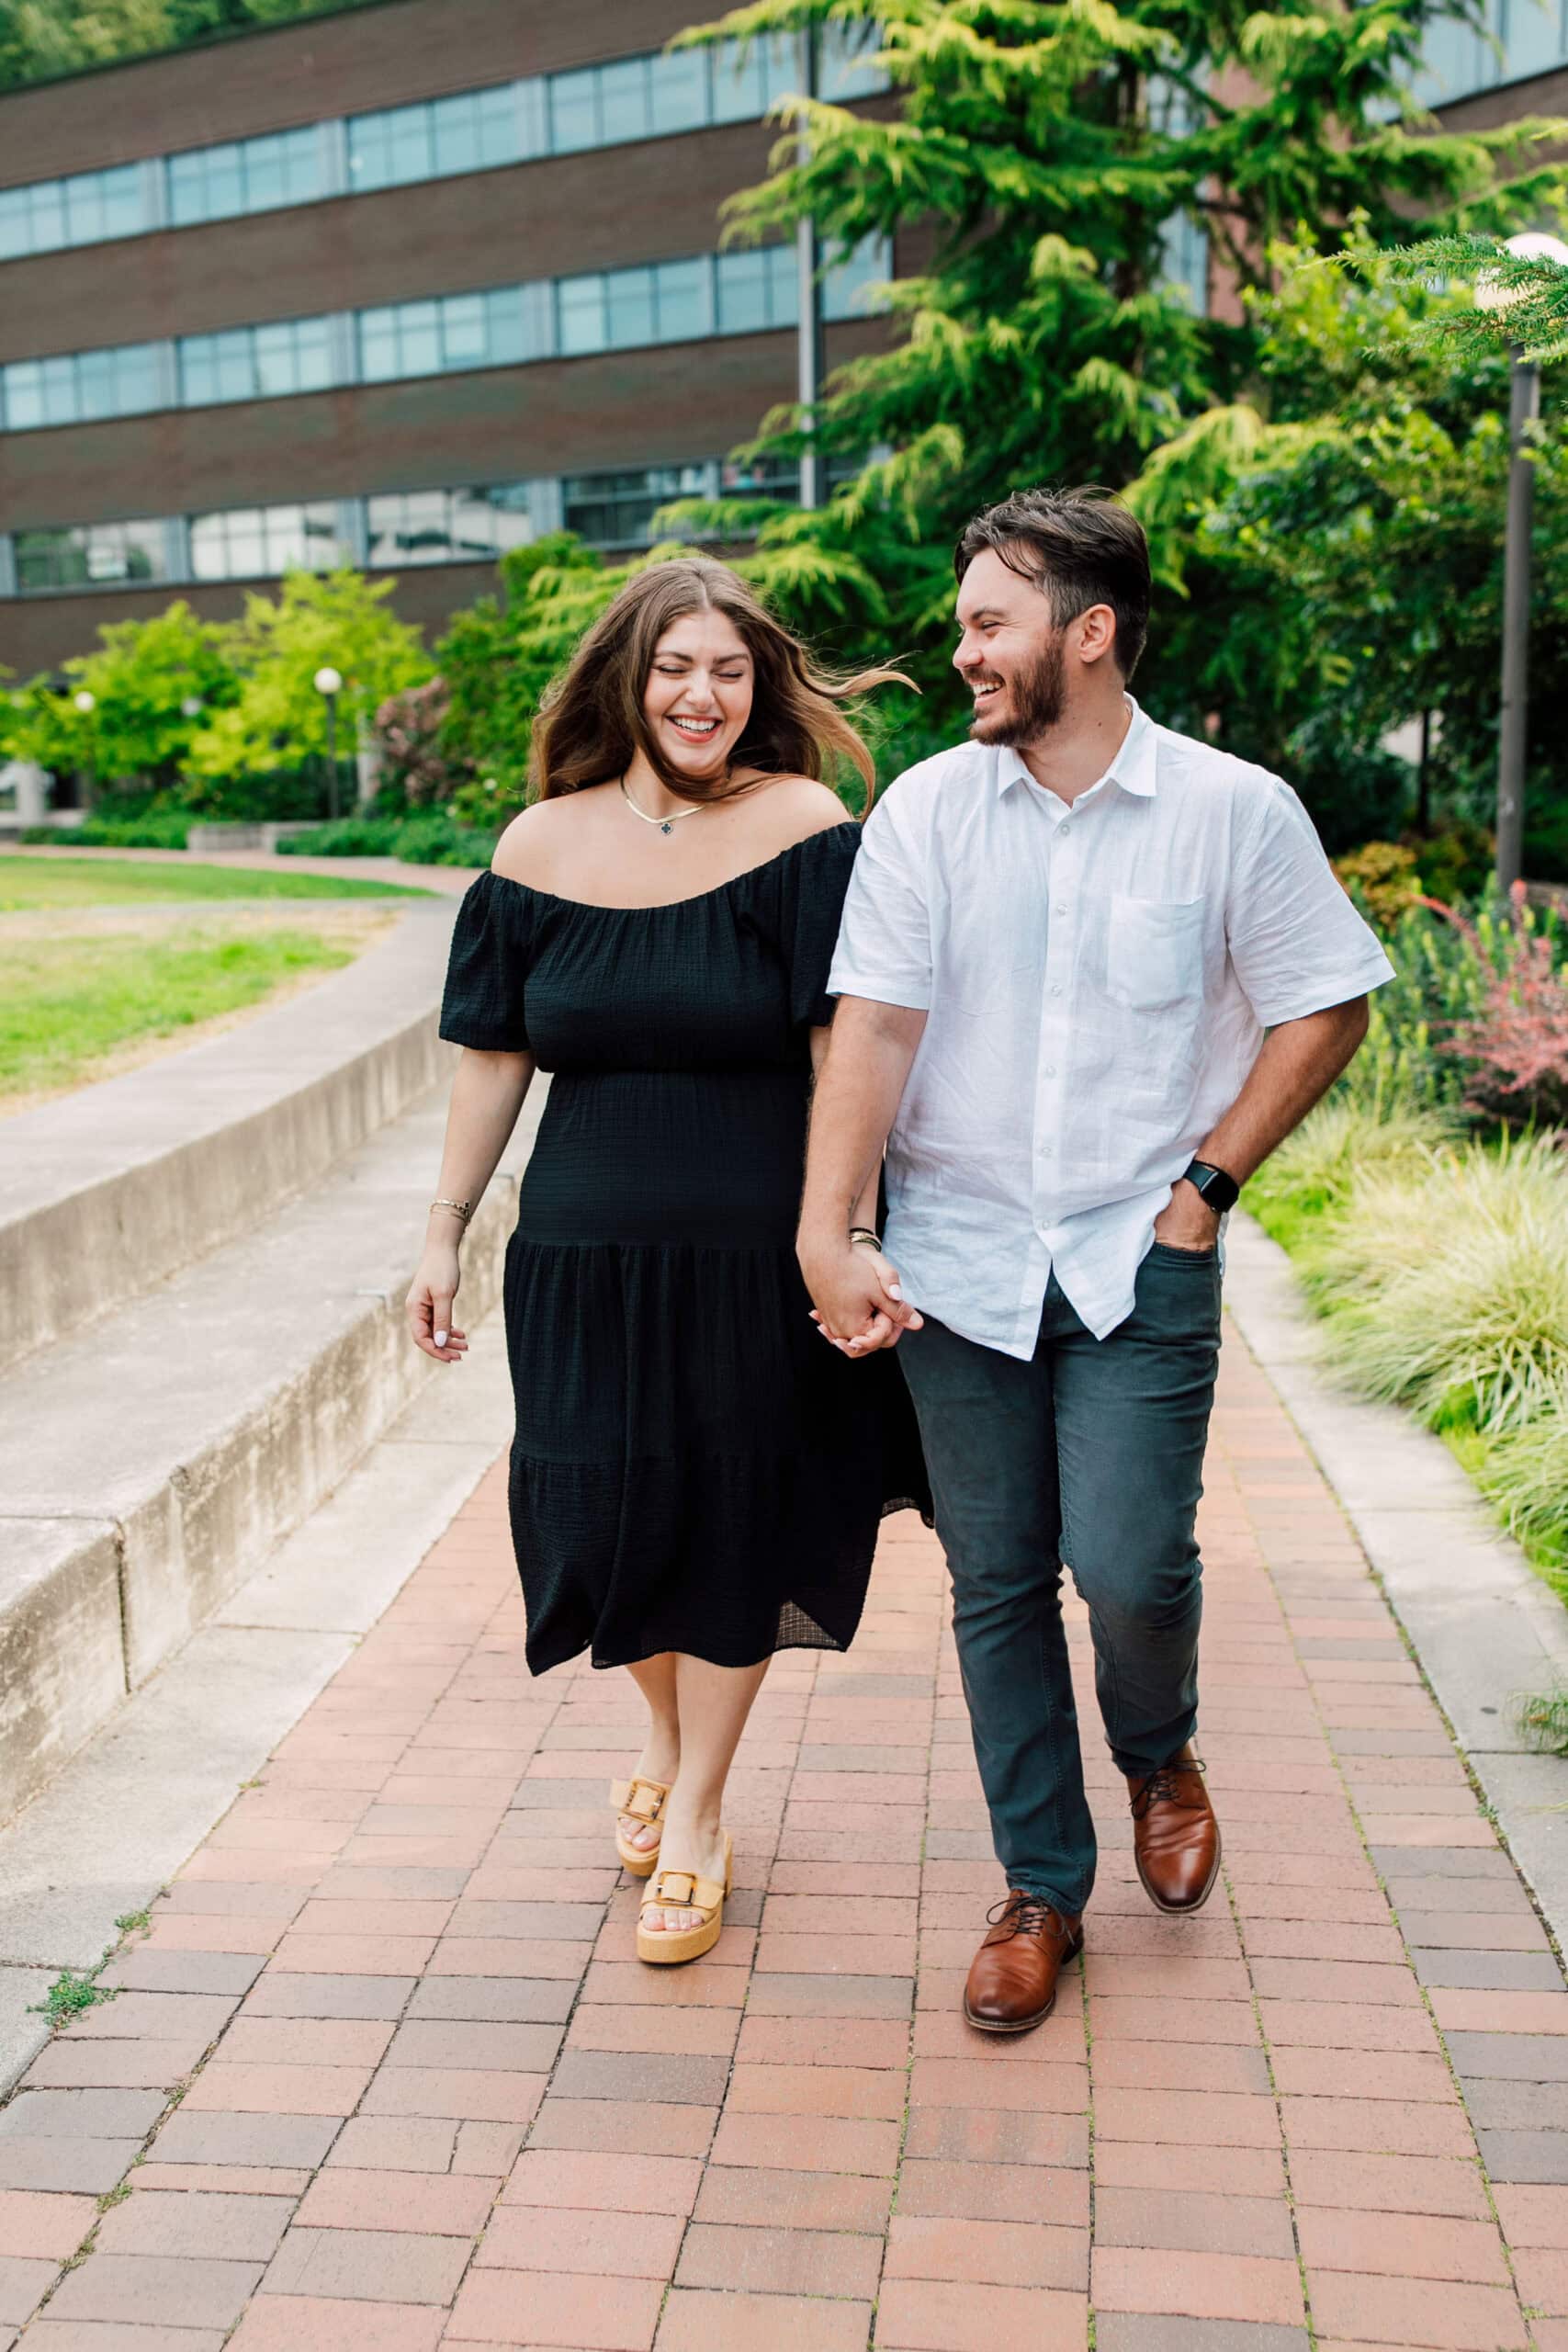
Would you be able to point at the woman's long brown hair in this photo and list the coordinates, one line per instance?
(592, 722)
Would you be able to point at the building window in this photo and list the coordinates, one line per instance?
(757, 289)
(256, 363)
(1519, 37)
(617, 309)
(472, 131)
(81, 210)
(79, 387)
(252, 542)
(408, 527)
(245, 175)
(454, 331)
(617, 510)
(646, 96)
(89, 555)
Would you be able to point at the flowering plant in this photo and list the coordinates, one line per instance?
(1516, 1042)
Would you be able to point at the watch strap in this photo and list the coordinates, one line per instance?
(1218, 1188)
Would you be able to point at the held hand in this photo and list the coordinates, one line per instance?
(429, 1304)
(859, 1299)
(1187, 1222)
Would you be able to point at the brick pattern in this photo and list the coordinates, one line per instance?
(383, 2072)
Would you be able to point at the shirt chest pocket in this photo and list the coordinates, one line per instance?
(1154, 955)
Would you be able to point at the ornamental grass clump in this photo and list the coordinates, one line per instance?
(1447, 1288)
(1307, 1185)
(1526, 1476)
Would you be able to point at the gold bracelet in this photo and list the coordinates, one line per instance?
(865, 1237)
(464, 1209)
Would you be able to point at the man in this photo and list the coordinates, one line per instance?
(1062, 947)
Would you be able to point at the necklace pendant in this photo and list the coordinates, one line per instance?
(668, 826)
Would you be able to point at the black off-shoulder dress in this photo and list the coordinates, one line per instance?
(694, 1468)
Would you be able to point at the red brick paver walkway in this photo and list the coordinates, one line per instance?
(383, 2073)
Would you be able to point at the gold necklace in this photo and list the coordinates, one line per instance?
(665, 824)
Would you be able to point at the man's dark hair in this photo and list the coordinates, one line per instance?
(1078, 548)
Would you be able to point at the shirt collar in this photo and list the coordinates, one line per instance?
(1132, 768)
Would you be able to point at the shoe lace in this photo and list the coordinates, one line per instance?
(1022, 1915)
(1164, 1787)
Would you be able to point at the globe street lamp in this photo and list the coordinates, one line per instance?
(86, 703)
(329, 683)
(1524, 408)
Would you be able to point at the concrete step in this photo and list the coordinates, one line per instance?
(106, 1193)
(149, 1464)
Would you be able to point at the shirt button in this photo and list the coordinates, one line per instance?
(1056, 987)
(1061, 906)
(1050, 1070)
(1063, 828)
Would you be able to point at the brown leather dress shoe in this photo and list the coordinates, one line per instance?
(1175, 1838)
(1012, 1981)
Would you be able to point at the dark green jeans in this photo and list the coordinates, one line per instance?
(1090, 1455)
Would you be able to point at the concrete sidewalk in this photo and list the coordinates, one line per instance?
(383, 2073)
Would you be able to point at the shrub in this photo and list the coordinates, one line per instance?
(167, 828)
(1385, 878)
(431, 838)
(1516, 1043)
(408, 730)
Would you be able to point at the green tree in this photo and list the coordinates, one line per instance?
(499, 655)
(317, 619)
(1351, 513)
(40, 38)
(1041, 151)
(139, 676)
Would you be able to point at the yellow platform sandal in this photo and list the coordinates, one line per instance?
(680, 1891)
(643, 1799)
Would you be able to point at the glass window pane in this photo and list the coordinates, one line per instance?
(574, 111)
(679, 99)
(784, 284)
(378, 345)
(273, 352)
(742, 292)
(464, 342)
(371, 152)
(206, 550)
(623, 100)
(24, 394)
(454, 127)
(137, 378)
(683, 303)
(124, 214)
(507, 332)
(845, 286)
(185, 188)
(629, 307)
(418, 338)
(844, 70)
(197, 370)
(738, 81)
(266, 182)
(499, 129)
(50, 229)
(15, 223)
(95, 388)
(580, 314)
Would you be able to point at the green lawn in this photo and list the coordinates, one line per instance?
(67, 1004)
(29, 882)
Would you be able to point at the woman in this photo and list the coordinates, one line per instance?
(696, 1481)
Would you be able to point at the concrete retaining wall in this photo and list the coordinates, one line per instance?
(114, 1188)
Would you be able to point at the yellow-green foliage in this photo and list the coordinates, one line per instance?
(1447, 1284)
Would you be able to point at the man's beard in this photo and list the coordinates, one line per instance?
(1038, 697)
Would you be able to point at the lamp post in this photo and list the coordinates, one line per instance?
(87, 702)
(809, 298)
(329, 683)
(1524, 407)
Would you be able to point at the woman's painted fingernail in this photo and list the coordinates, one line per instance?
(441, 1338)
(894, 1291)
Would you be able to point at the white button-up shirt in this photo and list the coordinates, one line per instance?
(1098, 979)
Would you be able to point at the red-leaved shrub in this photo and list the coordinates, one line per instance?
(1516, 1045)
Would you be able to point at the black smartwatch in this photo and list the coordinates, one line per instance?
(1220, 1192)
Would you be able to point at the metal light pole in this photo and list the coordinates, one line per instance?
(1524, 408)
(329, 683)
(808, 306)
(86, 703)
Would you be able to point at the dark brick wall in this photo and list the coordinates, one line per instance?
(294, 73)
(496, 425)
(652, 201)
